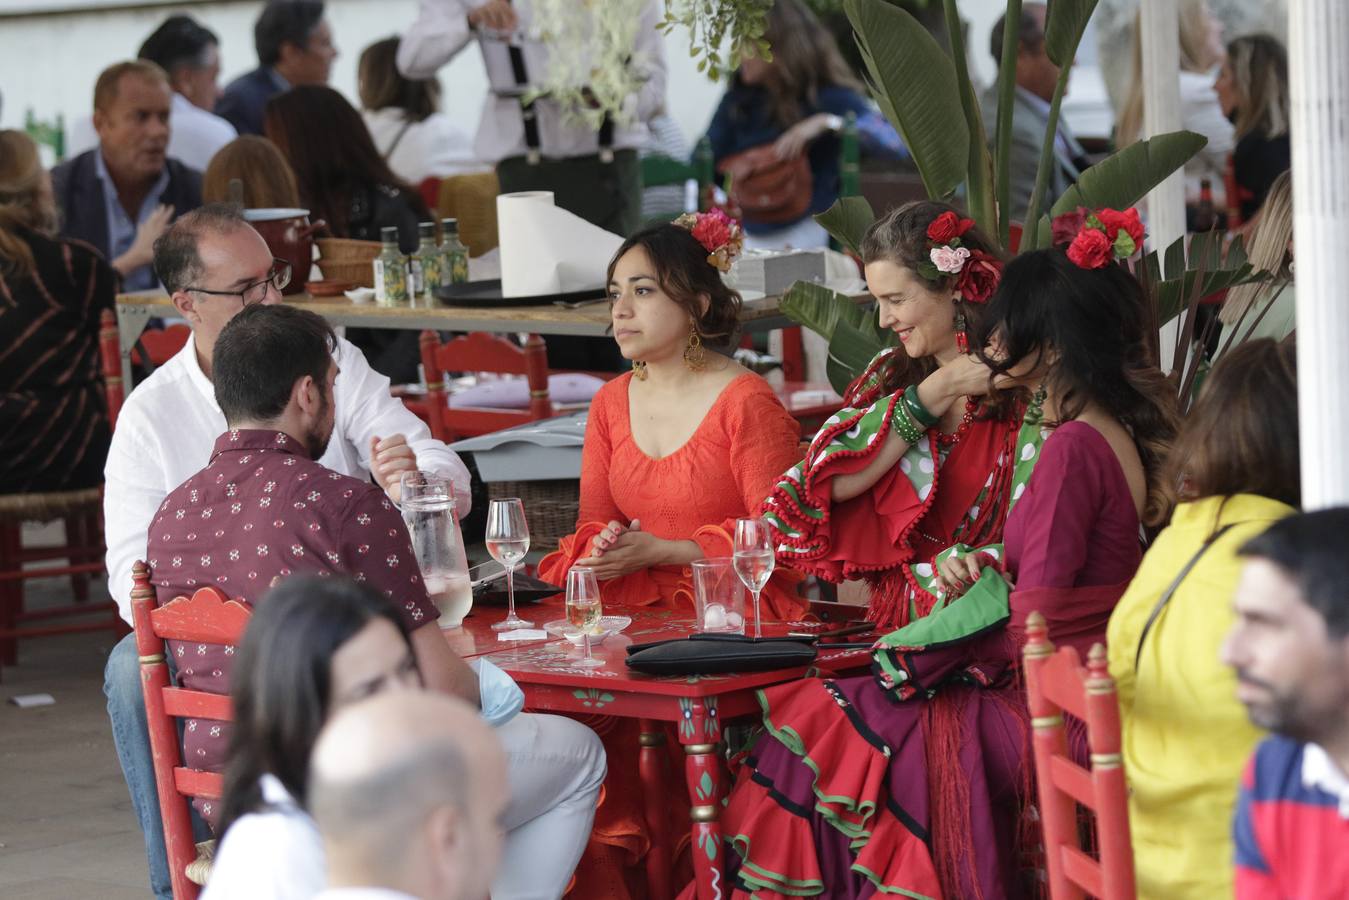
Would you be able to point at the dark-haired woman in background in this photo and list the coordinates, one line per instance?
(1253, 90)
(912, 781)
(403, 114)
(686, 443)
(344, 181)
(1186, 736)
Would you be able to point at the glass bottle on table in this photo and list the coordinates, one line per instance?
(753, 560)
(453, 254)
(508, 541)
(431, 516)
(391, 271)
(428, 263)
(584, 610)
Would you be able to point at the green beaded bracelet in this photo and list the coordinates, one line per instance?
(906, 426)
(920, 412)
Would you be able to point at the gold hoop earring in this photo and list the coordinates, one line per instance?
(695, 357)
(639, 370)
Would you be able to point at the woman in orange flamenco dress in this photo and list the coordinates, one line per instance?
(675, 452)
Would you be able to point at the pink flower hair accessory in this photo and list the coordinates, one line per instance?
(977, 273)
(720, 235)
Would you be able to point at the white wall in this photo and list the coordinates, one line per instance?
(50, 61)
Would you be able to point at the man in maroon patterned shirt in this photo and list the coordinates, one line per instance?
(264, 508)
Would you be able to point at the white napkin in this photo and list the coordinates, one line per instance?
(546, 250)
(523, 634)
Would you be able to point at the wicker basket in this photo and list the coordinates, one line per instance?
(550, 507)
(343, 259)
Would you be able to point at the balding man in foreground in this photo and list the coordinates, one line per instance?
(408, 790)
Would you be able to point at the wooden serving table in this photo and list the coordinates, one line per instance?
(697, 706)
(591, 320)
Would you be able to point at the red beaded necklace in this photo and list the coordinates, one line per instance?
(947, 441)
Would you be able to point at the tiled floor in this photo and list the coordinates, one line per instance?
(66, 826)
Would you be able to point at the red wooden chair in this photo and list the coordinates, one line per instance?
(1056, 682)
(482, 352)
(207, 617)
(110, 354)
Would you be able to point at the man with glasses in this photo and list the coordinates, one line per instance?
(213, 264)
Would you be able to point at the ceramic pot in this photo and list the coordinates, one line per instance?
(290, 236)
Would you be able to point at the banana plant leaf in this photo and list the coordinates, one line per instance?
(847, 221)
(1065, 21)
(979, 189)
(1177, 285)
(852, 332)
(915, 83)
(1124, 178)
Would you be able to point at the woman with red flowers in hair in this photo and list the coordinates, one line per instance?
(675, 451)
(920, 457)
(914, 780)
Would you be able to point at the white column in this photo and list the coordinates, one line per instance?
(1318, 58)
(1159, 32)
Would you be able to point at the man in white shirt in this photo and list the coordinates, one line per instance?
(409, 792)
(190, 54)
(166, 431)
(593, 173)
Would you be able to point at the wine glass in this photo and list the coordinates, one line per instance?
(753, 559)
(584, 609)
(508, 542)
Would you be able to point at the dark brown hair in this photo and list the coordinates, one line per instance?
(685, 275)
(266, 176)
(330, 151)
(1095, 323)
(282, 682)
(805, 59)
(1242, 435)
(900, 236)
(381, 85)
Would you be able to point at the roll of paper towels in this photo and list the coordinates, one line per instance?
(546, 250)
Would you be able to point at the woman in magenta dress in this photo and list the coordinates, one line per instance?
(912, 780)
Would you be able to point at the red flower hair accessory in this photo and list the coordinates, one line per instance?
(720, 235)
(1096, 238)
(978, 273)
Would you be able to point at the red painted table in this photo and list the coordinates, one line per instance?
(697, 705)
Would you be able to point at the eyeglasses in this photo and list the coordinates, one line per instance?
(257, 291)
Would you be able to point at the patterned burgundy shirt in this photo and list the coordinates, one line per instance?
(261, 510)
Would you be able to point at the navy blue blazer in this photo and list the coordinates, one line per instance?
(245, 99)
(79, 196)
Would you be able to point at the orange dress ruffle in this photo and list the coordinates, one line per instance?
(722, 473)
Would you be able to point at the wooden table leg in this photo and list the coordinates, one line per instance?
(705, 773)
(652, 769)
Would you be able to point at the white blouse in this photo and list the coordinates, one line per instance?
(276, 854)
(432, 148)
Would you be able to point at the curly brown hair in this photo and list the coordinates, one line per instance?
(900, 236)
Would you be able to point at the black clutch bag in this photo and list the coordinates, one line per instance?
(705, 654)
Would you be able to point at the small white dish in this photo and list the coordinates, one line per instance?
(360, 295)
(608, 625)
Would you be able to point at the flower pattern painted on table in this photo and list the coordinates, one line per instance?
(342, 525)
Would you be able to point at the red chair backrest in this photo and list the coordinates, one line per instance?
(482, 352)
(1056, 682)
(207, 617)
(161, 344)
(111, 357)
